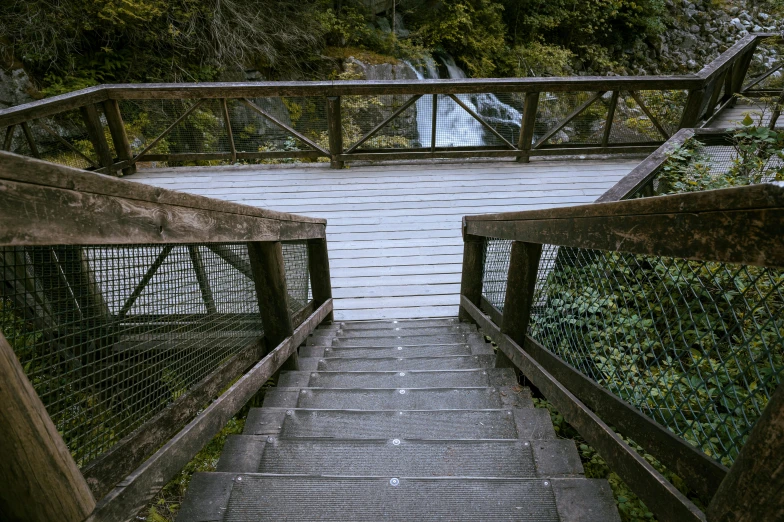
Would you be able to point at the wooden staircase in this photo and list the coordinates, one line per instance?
(398, 420)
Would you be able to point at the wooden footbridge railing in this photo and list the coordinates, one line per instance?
(653, 325)
(339, 121)
(135, 323)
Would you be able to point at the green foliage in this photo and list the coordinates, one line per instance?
(538, 59)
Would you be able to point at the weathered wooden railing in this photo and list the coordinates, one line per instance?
(135, 323)
(371, 120)
(619, 294)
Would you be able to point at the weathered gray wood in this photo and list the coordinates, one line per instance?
(471, 279)
(737, 225)
(232, 258)
(122, 146)
(661, 497)
(318, 266)
(527, 125)
(646, 170)
(381, 125)
(693, 110)
(743, 61)
(41, 481)
(335, 131)
(650, 115)
(229, 132)
(481, 121)
(301, 316)
(754, 487)
(520, 284)
(95, 131)
(168, 129)
(30, 140)
(205, 156)
(9, 137)
(569, 117)
(104, 473)
(202, 279)
(285, 127)
(761, 77)
(67, 144)
(136, 491)
(494, 313)
(729, 57)
(269, 276)
(52, 105)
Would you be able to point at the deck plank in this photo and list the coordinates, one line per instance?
(394, 230)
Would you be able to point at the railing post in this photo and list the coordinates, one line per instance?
(41, 481)
(30, 140)
(95, 130)
(335, 131)
(9, 137)
(318, 264)
(742, 67)
(530, 107)
(269, 276)
(520, 285)
(691, 113)
(471, 279)
(122, 146)
(609, 121)
(752, 489)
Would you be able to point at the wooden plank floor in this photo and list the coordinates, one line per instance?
(394, 235)
(732, 116)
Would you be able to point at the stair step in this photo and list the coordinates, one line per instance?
(385, 351)
(359, 364)
(253, 496)
(410, 379)
(403, 323)
(395, 399)
(524, 423)
(402, 331)
(393, 457)
(392, 340)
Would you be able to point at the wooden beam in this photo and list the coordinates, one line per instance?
(520, 285)
(736, 225)
(232, 258)
(381, 125)
(318, 266)
(67, 144)
(661, 497)
(650, 115)
(762, 77)
(754, 487)
(646, 170)
(202, 279)
(608, 123)
(122, 147)
(478, 118)
(141, 486)
(528, 125)
(693, 110)
(109, 469)
(335, 131)
(97, 137)
(30, 140)
(471, 278)
(229, 132)
(168, 129)
(269, 276)
(285, 127)
(9, 137)
(569, 117)
(41, 481)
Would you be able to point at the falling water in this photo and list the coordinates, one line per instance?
(455, 126)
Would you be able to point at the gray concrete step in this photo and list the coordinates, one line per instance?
(250, 497)
(362, 364)
(403, 323)
(396, 340)
(385, 351)
(410, 379)
(523, 423)
(409, 332)
(396, 399)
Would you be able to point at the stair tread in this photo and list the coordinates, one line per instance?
(409, 379)
(397, 340)
(433, 350)
(404, 331)
(256, 496)
(386, 324)
(447, 362)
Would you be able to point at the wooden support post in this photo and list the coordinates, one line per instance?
(471, 280)
(30, 140)
(714, 94)
(335, 130)
(742, 67)
(728, 94)
(95, 130)
(9, 137)
(318, 265)
(753, 488)
(41, 481)
(229, 133)
(530, 107)
(269, 275)
(774, 117)
(609, 121)
(203, 280)
(122, 147)
(520, 284)
(691, 113)
(433, 123)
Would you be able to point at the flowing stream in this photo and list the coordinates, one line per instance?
(455, 127)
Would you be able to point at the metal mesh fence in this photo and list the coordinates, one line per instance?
(767, 67)
(60, 139)
(295, 262)
(110, 335)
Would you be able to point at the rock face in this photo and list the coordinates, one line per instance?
(15, 87)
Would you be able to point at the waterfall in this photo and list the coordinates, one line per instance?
(455, 126)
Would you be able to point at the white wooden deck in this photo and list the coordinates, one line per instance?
(394, 235)
(732, 116)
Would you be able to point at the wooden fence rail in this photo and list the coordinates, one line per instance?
(54, 208)
(710, 89)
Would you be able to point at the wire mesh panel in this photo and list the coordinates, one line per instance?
(295, 261)
(767, 67)
(697, 346)
(61, 138)
(586, 128)
(110, 335)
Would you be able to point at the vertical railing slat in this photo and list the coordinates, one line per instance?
(520, 285)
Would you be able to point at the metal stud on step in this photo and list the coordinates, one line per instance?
(402, 374)
(402, 392)
(546, 483)
(270, 439)
(289, 412)
(399, 347)
(394, 482)
(396, 442)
